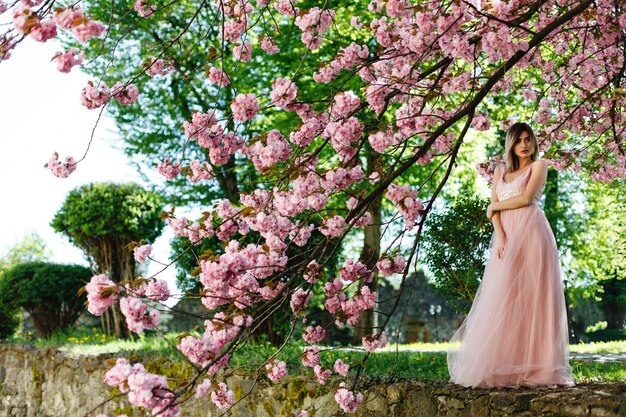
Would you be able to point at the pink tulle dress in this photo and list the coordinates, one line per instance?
(516, 330)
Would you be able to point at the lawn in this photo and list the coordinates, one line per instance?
(423, 360)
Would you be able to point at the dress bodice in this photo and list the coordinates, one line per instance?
(516, 186)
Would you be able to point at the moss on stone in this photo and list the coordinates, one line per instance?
(238, 390)
(268, 406)
(172, 370)
(124, 410)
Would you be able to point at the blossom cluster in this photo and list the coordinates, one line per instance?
(344, 308)
(221, 396)
(388, 265)
(61, 169)
(143, 388)
(407, 202)
(101, 294)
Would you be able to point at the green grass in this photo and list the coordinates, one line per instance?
(93, 342)
(421, 360)
(618, 346)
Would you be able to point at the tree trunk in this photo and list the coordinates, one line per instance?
(113, 259)
(370, 253)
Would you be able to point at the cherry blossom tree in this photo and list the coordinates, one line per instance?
(398, 85)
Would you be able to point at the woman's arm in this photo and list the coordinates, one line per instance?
(495, 219)
(500, 237)
(537, 179)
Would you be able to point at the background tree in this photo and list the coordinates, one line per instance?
(598, 264)
(47, 291)
(456, 244)
(101, 219)
(31, 247)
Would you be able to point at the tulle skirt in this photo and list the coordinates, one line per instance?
(516, 331)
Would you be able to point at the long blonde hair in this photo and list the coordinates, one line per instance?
(510, 159)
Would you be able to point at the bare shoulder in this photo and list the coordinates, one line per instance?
(497, 173)
(539, 169)
(540, 164)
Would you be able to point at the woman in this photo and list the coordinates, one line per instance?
(516, 331)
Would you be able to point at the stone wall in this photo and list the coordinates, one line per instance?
(50, 383)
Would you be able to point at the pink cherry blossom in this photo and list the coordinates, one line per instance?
(356, 23)
(481, 122)
(142, 252)
(198, 350)
(94, 97)
(101, 294)
(157, 290)
(200, 171)
(87, 30)
(217, 76)
(118, 375)
(391, 265)
(381, 140)
(144, 8)
(344, 104)
(307, 132)
(342, 135)
(287, 7)
(200, 125)
(300, 234)
(243, 52)
(68, 17)
(66, 60)
(284, 92)
(169, 169)
(125, 94)
(333, 227)
(268, 45)
(322, 374)
(203, 388)
(407, 202)
(311, 356)
(233, 29)
(299, 300)
(313, 25)
(373, 342)
(276, 149)
(24, 19)
(138, 316)
(159, 67)
(341, 367)
(61, 169)
(244, 107)
(346, 58)
(47, 29)
(346, 399)
(354, 271)
(314, 334)
(312, 272)
(222, 397)
(276, 370)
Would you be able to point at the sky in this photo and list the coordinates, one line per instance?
(40, 113)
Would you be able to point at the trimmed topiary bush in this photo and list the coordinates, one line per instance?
(47, 291)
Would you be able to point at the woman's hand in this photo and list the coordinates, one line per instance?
(498, 245)
(490, 211)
